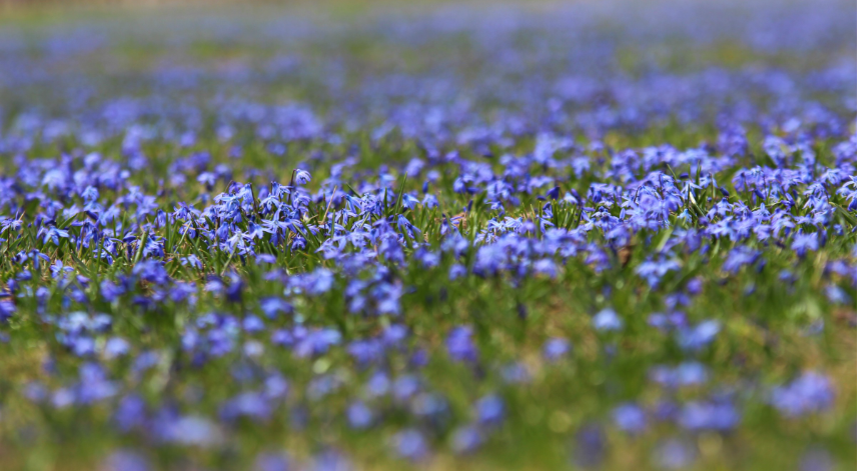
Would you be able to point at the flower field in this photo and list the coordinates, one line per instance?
(597, 235)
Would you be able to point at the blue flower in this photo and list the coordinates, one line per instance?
(302, 177)
(359, 415)
(466, 439)
(607, 320)
(272, 462)
(126, 460)
(695, 338)
(810, 392)
(555, 349)
(54, 235)
(490, 410)
(460, 345)
(675, 454)
(698, 415)
(630, 418)
(410, 444)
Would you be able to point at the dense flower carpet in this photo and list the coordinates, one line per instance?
(605, 235)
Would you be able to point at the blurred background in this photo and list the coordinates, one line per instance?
(583, 67)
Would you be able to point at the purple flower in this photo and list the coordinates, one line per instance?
(685, 374)
(302, 177)
(630, 418)
(738, 257)
(54, 235)
(675, 454)
(457, 271)
(378, 384)
(126, 460)
(115, 347)
(189, 430)
(696, 416)
(805, 242)
(653, 271)
(275, 386)
(330, 460)
(394, 335)
(590, 446)
(695, 338)
(607, 320)
(810, 392)
(555, 349)
(545, 266)
(272, 306)
(516, 372)
(316, 342)
(272, 462)
(466, 439)
(7, 310)
(253, 324)
(490, 410)
(667, 322)
(460, 345)
(410, 444)
(405, 387)
(359, 415)
(130, 413)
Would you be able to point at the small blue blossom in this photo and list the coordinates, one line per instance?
(607, 320)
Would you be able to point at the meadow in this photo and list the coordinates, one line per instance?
(594, 235)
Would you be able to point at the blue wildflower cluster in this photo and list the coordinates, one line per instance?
(523, 238)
